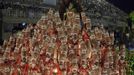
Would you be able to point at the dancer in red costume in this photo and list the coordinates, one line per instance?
(83, 70)
(56, 70)
(58, 43)
(25, 69)
(85, 37)
(103, 56)
(35, 69)
(18, 60)
(15, 71)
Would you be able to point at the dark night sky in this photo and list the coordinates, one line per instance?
(125, 5)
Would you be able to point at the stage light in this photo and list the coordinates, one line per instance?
(23, 24)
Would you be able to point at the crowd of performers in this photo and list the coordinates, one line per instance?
(55, 47)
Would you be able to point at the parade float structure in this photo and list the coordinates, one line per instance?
(56, 47)
(99, 11)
